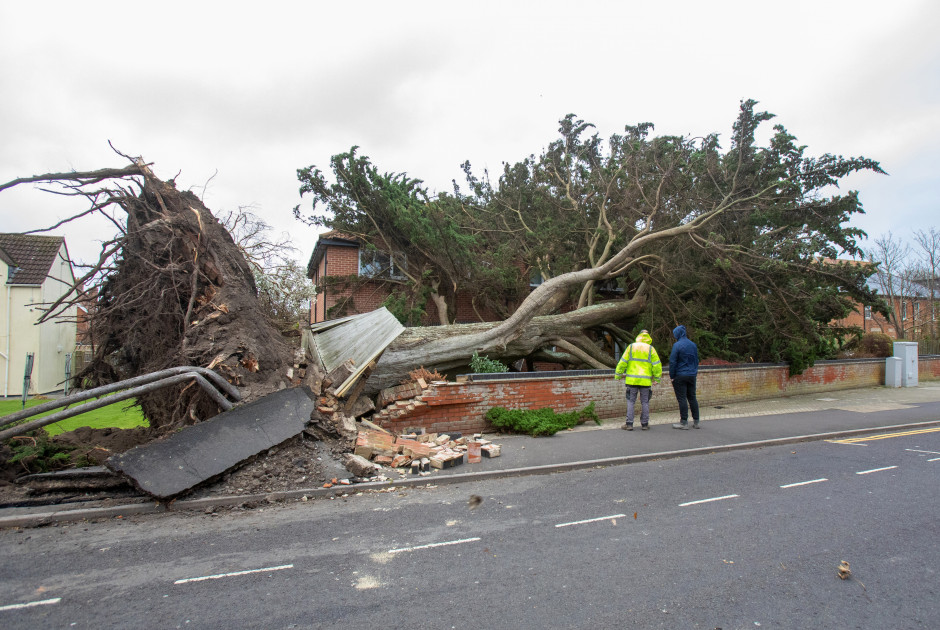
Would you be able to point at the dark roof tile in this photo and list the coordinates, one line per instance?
(31, 254)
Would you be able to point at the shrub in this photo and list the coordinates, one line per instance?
(538, 421)
(36, 453)
(485, 365)
(875, 344)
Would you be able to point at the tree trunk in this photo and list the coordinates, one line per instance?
(448, 347)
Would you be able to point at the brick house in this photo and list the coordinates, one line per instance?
(350, 279)
(917, 313)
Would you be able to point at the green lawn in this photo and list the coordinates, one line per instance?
(120, 415)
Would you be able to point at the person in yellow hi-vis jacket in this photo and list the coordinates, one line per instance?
(640, 368)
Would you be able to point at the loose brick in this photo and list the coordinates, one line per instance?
(491, 450)
(401, 460)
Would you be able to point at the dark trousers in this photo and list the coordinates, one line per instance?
(684, 387)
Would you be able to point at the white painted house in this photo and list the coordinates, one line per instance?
(34, 270)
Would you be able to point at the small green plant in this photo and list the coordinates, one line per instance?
(538, 421)
(37, 453)
(485, 365)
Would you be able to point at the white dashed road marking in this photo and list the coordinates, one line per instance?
(804, 483)
(440, 544)
(728, 496)
(592, 520)
(233, 574)
(865, 472)
(44, 602)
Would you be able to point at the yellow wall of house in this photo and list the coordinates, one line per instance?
(19, 333)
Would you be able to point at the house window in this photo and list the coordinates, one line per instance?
(377, 264)
(609, 286)
(867, 312)
(535, 277)
(916, 310)
(903, 310)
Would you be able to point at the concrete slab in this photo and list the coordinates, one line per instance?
(185, 459)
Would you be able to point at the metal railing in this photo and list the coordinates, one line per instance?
(928, 346)
(213, 383)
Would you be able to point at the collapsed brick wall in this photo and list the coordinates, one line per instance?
(461, 407)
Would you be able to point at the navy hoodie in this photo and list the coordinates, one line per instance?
(683, 360)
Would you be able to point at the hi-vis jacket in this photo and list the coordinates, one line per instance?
(640, 363)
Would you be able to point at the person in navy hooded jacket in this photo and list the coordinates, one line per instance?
(683, 368)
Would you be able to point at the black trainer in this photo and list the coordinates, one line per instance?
(627, 427)
(645, 427)
(695, 425)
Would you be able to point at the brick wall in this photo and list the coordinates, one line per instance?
(928, 369)
(915, 323)
(466, 313)
(462, 406)
(344, 261)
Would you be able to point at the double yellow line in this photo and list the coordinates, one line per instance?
(884, 436)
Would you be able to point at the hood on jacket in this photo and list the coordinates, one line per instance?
(644, 337)
(679, 332)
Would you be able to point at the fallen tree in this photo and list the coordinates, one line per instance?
(171, 289)
(732, 243)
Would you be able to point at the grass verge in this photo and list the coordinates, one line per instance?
(120, 415)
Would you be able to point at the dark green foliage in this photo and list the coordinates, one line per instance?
(393, 214)
(737, 243)
(538, 422)
(36, 453)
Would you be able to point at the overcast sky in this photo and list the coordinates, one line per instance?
(235, 97)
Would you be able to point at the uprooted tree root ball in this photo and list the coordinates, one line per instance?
(172, 290)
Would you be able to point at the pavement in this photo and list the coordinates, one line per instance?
(744, 425)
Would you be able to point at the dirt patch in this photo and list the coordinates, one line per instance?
(107, 441)
(301, 462)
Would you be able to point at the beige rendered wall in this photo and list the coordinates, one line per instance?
(22, 335)
(19, 333)
(56, 337)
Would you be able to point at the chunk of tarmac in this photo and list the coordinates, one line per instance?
(200, 452)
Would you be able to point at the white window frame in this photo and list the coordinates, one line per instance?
(380, 264)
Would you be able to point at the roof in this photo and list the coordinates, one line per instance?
(901, 288)
(29, 256)
(328, 238)
(360, 338)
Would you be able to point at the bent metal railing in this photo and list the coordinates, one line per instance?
(210, 381)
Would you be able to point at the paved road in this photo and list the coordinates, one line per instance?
(743, 539)
(730, 426)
